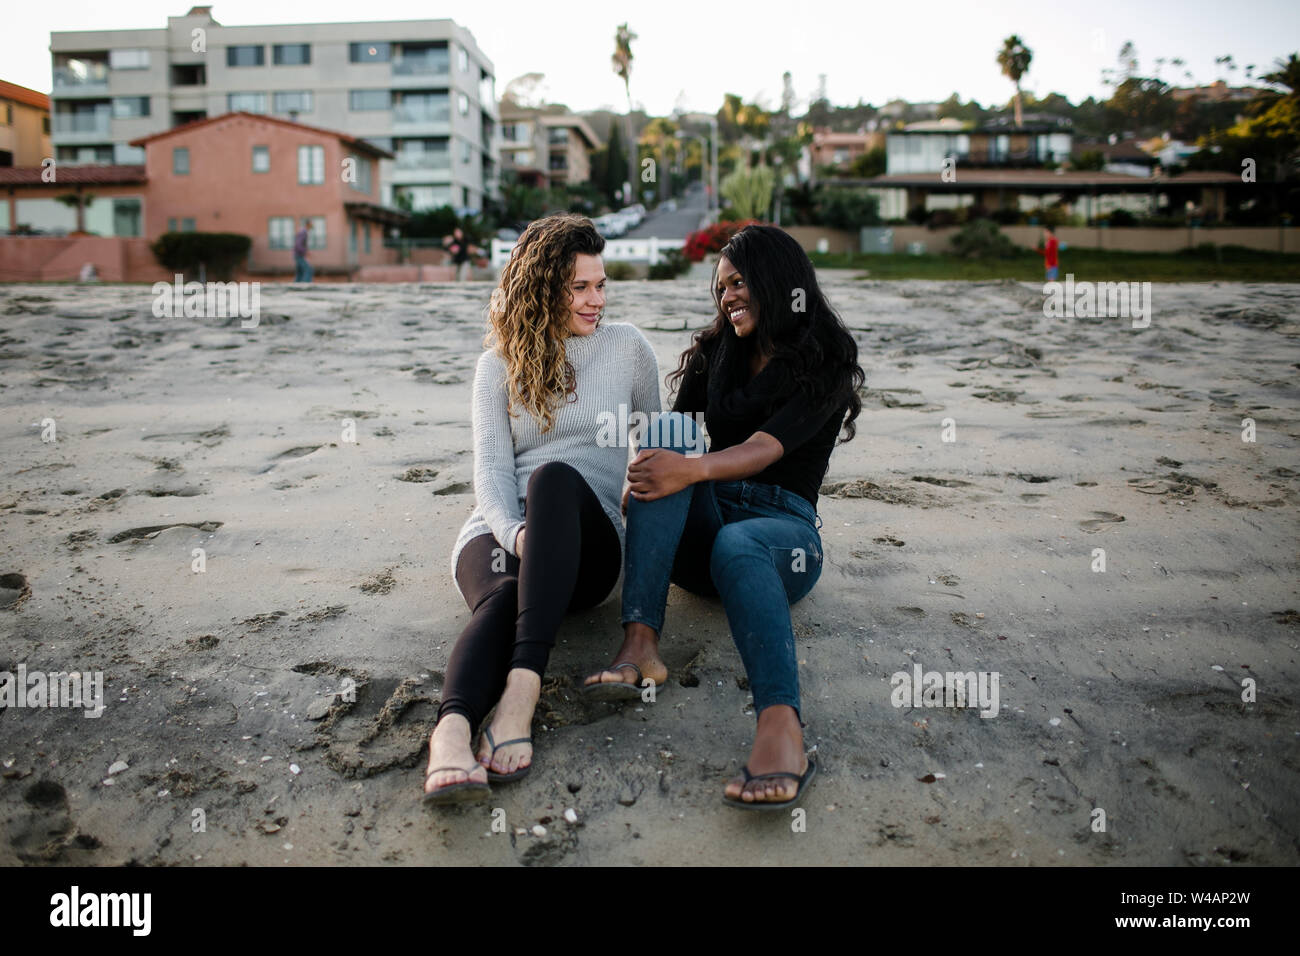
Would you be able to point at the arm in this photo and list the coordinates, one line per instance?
(495, 487)
(656, 472)
(645, 389)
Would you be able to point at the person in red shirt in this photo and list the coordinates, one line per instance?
(1049, 249)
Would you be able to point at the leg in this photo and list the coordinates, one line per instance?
(487, 576)
(665, 540)
(761, 566)
(570, 560)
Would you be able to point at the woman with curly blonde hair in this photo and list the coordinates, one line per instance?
(546, 533)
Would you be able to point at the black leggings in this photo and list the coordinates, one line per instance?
(570, 561)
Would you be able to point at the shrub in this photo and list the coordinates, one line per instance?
(670, 265)
(851, 209)
(218, 252)
(1122, 217)
(917, 215)
(1006, 217)
(712, 238)
(617, 271)
(982, 239)
(749, 190)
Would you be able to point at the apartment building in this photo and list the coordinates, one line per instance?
(419, 89)
(24, 125)
(546, 146)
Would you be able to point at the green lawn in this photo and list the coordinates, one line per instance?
(1227, 263)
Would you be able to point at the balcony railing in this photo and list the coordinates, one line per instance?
(413, 160)
(420, 113)
(93, 123)
(90, 76)
(422, 66)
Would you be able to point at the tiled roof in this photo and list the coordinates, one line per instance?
(1045, 178)
(262, 118)
(21, 94)
(67, 175)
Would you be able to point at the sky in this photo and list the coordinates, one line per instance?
(688, 54)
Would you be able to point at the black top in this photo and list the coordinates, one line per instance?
(769, 402)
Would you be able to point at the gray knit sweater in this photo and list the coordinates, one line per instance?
(614, 366)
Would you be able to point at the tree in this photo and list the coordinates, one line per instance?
(1273, 118)
(78, 201)
(749, 191)
(622, 60)
(1014, 59)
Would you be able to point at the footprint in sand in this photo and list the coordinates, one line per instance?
(14, 590)
(302, 451)
(1093, 525)
(152, 531)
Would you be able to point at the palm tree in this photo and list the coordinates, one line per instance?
(622, 60)
(1014, 59)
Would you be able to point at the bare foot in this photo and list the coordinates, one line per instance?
(778, 747)
(513, 719)
(449, 747)
(641, 647)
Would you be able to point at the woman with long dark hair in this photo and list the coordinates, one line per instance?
(545, 534)
(776, 377)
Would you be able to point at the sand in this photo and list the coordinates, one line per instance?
(326, 568)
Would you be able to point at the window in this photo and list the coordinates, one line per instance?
(9, 114)
(352, 238)
(462, 104)
(367, 237)
(261, 159)
(466, 151)
(423, 197)
(127, 155)
(462, 59)
(421, 108)
(126, 217)
(186, 225)
(369, 52)
(361, 165)
(486, 88)
(279, 233)
(311, 165)
(558, 136)
(369, 100)
(128, 59)
(45, 124)
(181, 161)
(296, 101)
(291, 54)
(129, 107)
(246, 55)
(383, 142)
(247, 102)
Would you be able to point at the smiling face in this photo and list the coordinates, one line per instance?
(733, 293)
(586, 294)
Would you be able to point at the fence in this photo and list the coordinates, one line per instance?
(616, 250)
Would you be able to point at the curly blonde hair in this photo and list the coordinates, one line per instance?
(529, 314)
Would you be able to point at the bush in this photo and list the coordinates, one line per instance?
(917, 215)
(1007, 217)
(712, 238)
(618, 271)
(851, 209)
(218, 252)
(671, 264)
(982, 239)
(1122, 217)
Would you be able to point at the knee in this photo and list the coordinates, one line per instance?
(503, 595)
(733, 541)
(674, 431)
(553, 474)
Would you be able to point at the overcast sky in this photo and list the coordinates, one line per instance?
(689, 54)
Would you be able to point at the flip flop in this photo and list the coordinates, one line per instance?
(467, 791)
(773, 804)
(493, 776)
(617, 690)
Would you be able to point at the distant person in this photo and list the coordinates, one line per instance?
(302, 268)
(1050, 250)
(462, 250)
(88, 273)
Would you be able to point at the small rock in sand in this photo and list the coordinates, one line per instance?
(118, 767)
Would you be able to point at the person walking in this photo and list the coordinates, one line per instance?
(302, 268)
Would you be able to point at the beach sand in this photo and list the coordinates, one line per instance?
(327, 567)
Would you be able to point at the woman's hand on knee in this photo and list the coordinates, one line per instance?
(658, 472)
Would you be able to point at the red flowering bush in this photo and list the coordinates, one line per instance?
(711, 239)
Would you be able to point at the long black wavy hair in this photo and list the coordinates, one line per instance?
(796, 326)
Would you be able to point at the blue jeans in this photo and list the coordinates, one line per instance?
(302, 269)
(755, 545)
